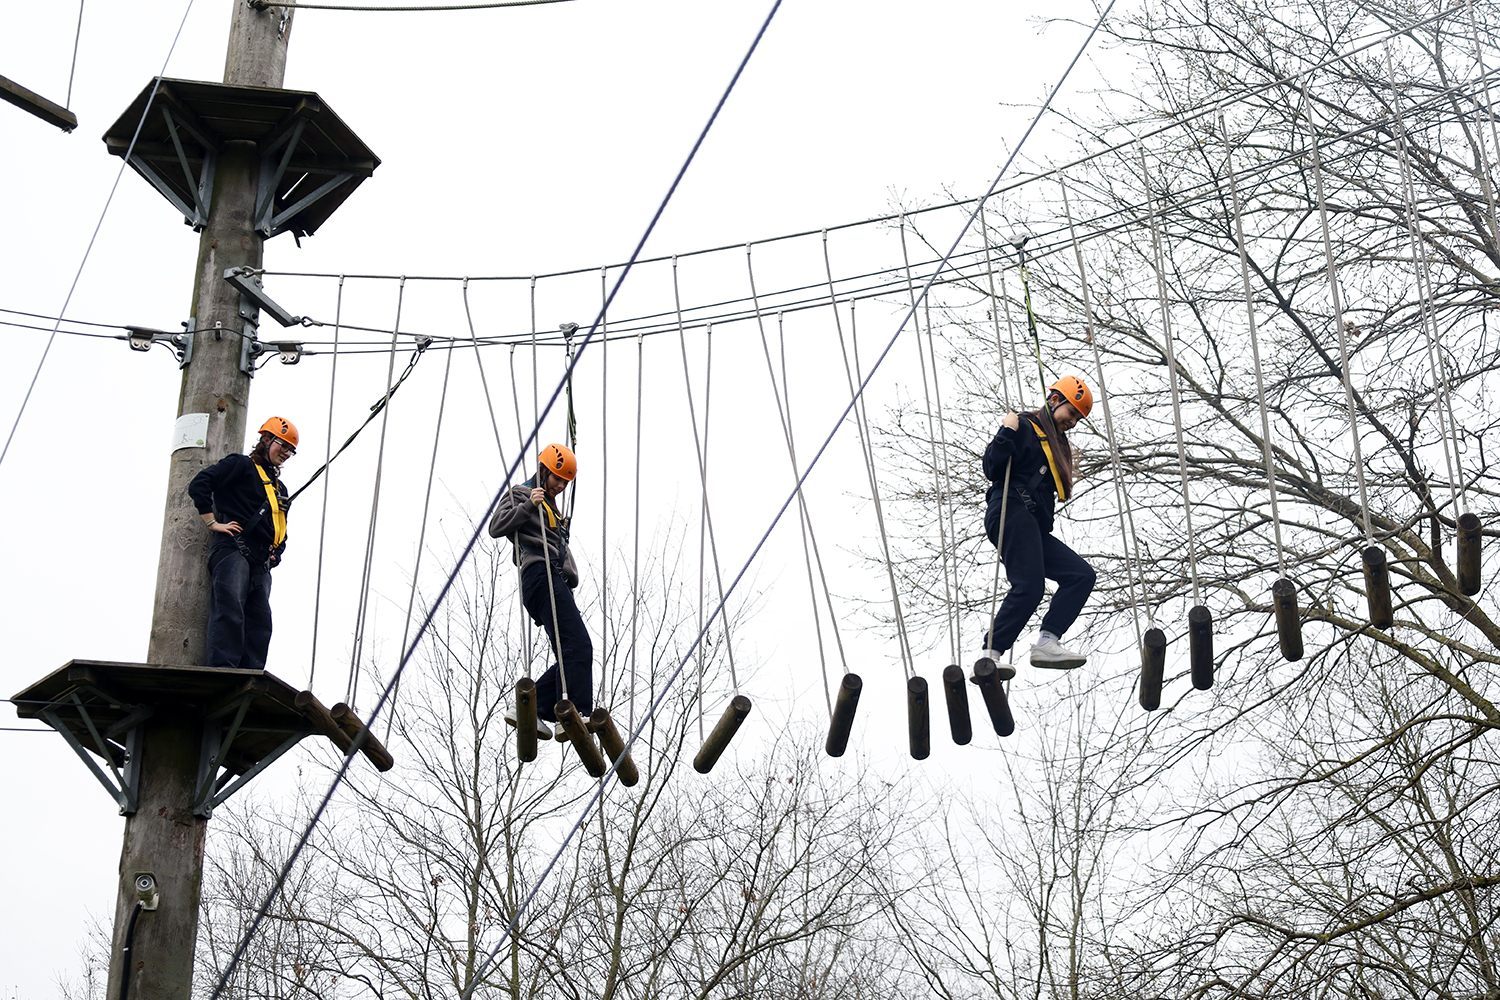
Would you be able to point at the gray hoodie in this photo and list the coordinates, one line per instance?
(521, 521)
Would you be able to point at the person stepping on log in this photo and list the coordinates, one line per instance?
(1030, 455)
(529, 515)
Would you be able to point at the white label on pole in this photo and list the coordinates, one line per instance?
(190, 431)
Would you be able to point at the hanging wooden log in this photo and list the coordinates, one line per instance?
(957, 696)
(1004, 671)
(1377, 586)
(1153, 666)
(578, 734)
(526, 719)
(374, 750)
(918, 725)
(1288, 620)
(843, 715)
(723, 732)
(609, 737)
(1201, 646)
(987, 676)
(1468, 553)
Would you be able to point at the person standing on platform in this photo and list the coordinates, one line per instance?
(244, 504)
(1032, 450)
(530, 516)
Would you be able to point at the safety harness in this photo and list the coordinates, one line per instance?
(278, 515)
(1036, 479)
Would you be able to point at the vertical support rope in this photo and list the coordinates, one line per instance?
(1015, 352)
(700, 449)
(604, 479)
(1424, 292)
(1487, 178)
(989, 273)
(515, 396)
(635, 565)
(1159, 264)
(783, 414)
(333, 373)
(73, 69)
(1122, 501)
(1260, 384)
(562, 668)
(1338, 313)
(489, 403)
(867, 445)
(911, 293)
(989, 266)
(361, 621)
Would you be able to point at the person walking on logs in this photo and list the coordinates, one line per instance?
(548, 576)
(244, 504)
(1030, 466)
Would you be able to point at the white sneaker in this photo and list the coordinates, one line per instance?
(1003, 669)
(543, 731)
(1054, 655)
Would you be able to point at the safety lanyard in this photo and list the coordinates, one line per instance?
(1062, 492)
(273, 504)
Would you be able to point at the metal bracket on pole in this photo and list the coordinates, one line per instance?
(213, 787)
(123, 780)
(180, 344)
(248, 282)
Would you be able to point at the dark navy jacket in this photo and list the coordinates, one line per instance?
(1029, 476)
(232, 488)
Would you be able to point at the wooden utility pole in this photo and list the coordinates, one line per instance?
(163, 836)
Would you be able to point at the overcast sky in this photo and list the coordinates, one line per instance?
(513, 142)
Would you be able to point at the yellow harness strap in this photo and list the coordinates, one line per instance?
(278, 516)
(1062, 492)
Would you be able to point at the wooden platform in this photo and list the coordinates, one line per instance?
(249, 718)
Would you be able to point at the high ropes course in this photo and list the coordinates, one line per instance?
(828, 280)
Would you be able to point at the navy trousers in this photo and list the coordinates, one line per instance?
(569, 634)
(1030, 555)
(239, 608)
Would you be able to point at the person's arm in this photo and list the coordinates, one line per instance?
(201, 492)
(1002, 448)
(514, 509)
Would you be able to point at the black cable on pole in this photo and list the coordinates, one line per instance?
(479, 528)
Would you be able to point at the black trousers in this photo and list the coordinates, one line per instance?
(1031, 556)
(568, 633)
(239, 608)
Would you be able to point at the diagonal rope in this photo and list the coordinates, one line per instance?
(73, 67)
(109, 200)
(447, 586)
(484, 382)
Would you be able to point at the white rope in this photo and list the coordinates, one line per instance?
(1122, 501)
(562, 668)
(489, 404)
(783, 414)
(1486, 177)
(1425, 296)
(989, 273)
(949, 608)
(1015, 355)
(1338, 314)
(362, 618)
(604, 658)
(515, 395)
(635, 566)
(700, 450)
(1166, 324)
(333, 372)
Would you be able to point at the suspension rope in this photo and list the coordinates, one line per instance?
(1015, 352)
(1487, 178)
(411, 600)
(783, 414)
(362, 617)
(700, 450)
(867, 448)
(1435, 360)
(73, 67)
(604, 481)
(989, 625)
(989, 273)
(635, 564)
(809, 537)
(949, 606)
(1159, 264)
(708, 368)
(1338, 315)
(1122, 501)
(333, 373)
(562, 669)
(489, 404)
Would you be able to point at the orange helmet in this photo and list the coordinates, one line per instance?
(559, 461)
(1072, 389)
(280, 427)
